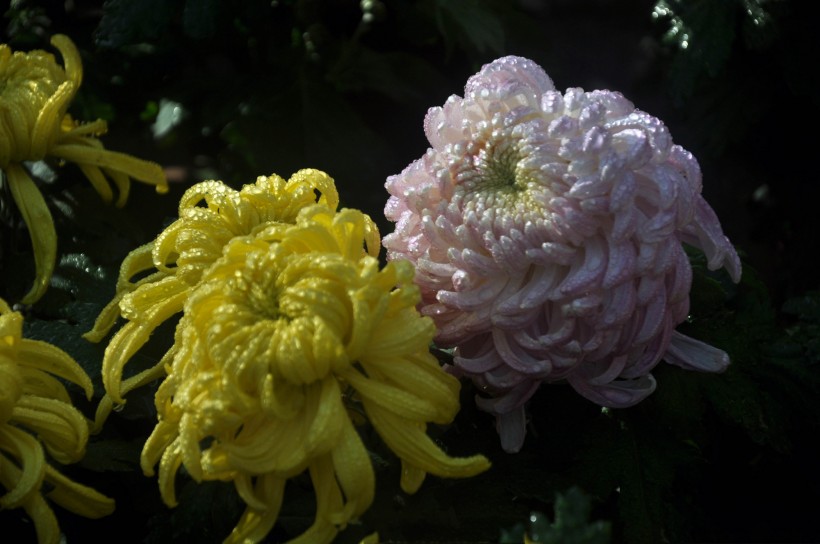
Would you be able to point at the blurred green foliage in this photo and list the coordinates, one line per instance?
(233, 90)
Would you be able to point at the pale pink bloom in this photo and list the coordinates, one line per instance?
(547, 230)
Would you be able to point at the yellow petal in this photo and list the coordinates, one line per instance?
(145, 171)
(49, 358)
(135, 263)
(329, 196)
(148, 375)
(349, 229)
(372, 538)
(77, 498)
(151, 311)
(138, 261)
(399, 401)
(11, 387)
(408, 440)
(98, 181)
(40, 384)
(256, 523)
(29, 454)
(411, 477)
(263, 445)
(168, 467)
(329, 420)
(71, 58)
(59, 426)
(50, 117)
(188, 441)
(105, 320)
(354, 470)
(403, 333)
(79, 130)
(40, 225)
(329, 504)
(156, 302)
(419, 373)
(17, 123)
(244, 484)
(163, 435)
(123, 184)
(45, 522)
(125, 343)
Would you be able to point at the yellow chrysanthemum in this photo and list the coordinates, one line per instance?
(290, 331)
(175, 261)
(36, 416)
(35, 93)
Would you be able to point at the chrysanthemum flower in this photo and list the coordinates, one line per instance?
(172, 264)
(547, 229)
(290, 331)
(35, 93)
(36, 416)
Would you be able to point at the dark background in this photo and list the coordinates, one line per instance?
(267, 87)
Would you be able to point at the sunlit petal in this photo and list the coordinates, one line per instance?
(35, 94)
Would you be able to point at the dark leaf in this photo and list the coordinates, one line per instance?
(127, 22)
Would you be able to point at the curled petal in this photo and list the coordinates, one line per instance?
(329, 506)
(47, 126)
(77, 498)
(45, 522)
(135, 334)
(617, 393)
(256, 522)
(354, 470)
(692, 354)
(71, 58)
(60, 426)
(51, 359)
(40, 228)
(29, 454)
(395, 399)
(411, 443)
(168, 468)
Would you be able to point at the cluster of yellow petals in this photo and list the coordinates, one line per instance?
(35, 93)
(289, 327)
(290, 331)
(210, 215)
(37, 417)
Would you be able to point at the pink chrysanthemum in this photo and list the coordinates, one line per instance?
(547, 229)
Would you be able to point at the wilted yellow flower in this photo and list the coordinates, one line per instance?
(290, 333)
(35, 93)
(36, 414)
(176, 259)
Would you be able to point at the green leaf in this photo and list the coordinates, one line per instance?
(207, 512)
(112, 455)
(309, 125)
(200, 17)
(572, 524)
(401, 76)
(127, 22)
(703, 32)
